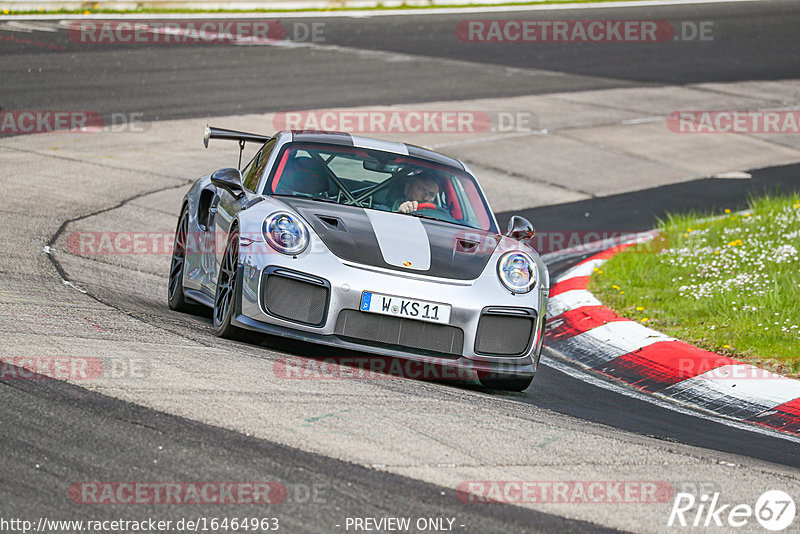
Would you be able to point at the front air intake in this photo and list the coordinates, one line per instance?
(287, 296)
(443, 340)
(505, 332)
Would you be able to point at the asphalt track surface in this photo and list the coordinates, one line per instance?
(397, 63)
(83, 435)
(70, 434)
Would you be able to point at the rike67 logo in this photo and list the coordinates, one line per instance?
(774, 510)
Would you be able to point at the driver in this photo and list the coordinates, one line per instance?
(422, 188)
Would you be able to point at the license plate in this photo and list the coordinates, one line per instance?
(422, 310)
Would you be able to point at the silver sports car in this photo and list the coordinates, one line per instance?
(366, 245)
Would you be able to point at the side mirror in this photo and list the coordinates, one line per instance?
(229, 179)
(520, 228)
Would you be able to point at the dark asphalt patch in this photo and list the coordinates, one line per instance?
(56, 434)
(640, 210)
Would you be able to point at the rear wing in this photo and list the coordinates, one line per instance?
(232, 135)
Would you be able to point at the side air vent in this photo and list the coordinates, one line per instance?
(465, 245)
(331, 222)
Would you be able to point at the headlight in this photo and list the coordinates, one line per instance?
(517, 271)
(285, 233)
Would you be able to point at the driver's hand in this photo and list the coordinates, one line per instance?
(408, 206)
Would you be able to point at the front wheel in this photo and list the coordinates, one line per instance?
(506, 382)
(225, 297)
(176, 298)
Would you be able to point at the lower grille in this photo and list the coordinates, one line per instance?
(503, 334)
(407, 333)
(295, 300)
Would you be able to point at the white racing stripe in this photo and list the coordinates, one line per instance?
(377, 144)
(570, 300)
(402, 239)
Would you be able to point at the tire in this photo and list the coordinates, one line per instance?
(225, 296)
(175, 296)
(506, 382)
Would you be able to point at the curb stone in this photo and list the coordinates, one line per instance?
(586, 332)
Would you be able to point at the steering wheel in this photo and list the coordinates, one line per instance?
(437, 213)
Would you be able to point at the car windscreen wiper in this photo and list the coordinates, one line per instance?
(421, 216)
(329, 200)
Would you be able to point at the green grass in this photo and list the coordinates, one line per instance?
(379, 6)
(729, 284)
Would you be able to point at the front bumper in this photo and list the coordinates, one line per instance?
(345, 282)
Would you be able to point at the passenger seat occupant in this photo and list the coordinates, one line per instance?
(304, 176)
(422, 188)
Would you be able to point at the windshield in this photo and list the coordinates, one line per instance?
(379, 180)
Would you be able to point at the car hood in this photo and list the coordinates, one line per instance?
(398, 242)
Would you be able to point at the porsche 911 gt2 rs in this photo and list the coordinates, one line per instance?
(362, 244)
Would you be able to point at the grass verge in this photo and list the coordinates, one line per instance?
(729, 284)
(378, 6)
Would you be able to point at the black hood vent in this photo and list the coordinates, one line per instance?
(456, 252)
